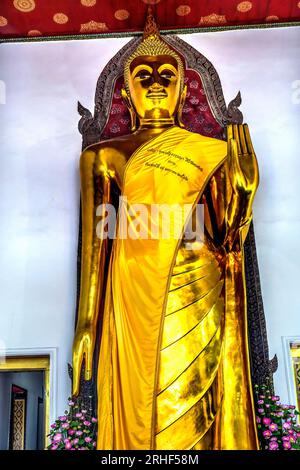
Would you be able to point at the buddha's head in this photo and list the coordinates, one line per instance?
(154, 81)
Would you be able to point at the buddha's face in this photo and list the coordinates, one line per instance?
(154, 85)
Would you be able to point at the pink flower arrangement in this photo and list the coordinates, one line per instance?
(273, 445)
(75, 430)
(267, 421)
(276, 423)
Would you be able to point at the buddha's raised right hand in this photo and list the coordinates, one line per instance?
(83, 348)
(243, 166)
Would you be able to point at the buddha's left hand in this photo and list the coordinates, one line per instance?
(242, 163)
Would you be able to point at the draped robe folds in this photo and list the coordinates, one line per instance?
(167, 354)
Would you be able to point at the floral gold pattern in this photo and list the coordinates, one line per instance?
(34, 32)
(183, 10)
(212, 19)
(24, 5)
(29, 15)
(3, 21)
(122, 15)
(272, 18)
(244, 7)
(151, 2)
(88, 3)
(18, 424)
(60, 18)
(93, 27)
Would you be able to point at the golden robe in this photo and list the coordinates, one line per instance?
(167, 353)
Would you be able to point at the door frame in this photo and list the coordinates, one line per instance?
(289, 368)
(32, 359)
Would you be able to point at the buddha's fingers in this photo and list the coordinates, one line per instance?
(235, 170)
(236, 136)
(248, 139)
(242, 138)
(255, 177)
(229, 139)
(229, 134)
(77, 363)
(88, 360)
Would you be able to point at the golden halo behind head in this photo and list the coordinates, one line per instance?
(152, 45)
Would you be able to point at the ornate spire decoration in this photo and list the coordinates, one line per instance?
(151, 28)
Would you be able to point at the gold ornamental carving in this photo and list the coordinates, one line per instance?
(212, 19)
(93, 27)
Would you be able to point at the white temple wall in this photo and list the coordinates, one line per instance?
(39, 183)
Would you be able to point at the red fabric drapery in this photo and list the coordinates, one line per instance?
(23, 18)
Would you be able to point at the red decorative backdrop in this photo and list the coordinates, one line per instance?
(22, 18)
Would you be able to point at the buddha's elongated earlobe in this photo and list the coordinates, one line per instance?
(131, 110)
(180, 106)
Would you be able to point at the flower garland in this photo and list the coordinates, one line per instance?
(276, 423)
(75, 430)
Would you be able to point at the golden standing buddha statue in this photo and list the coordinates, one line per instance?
(174, 365)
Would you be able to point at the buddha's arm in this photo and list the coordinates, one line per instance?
(232, 190)
(95, 190)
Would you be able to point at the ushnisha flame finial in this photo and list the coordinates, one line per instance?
(151, 28)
